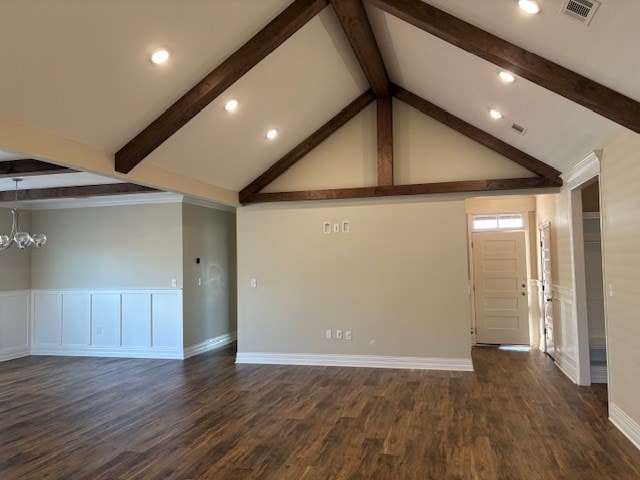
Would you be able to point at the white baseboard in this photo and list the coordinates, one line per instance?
(211, 344)
(567, 367)
(115, 352)
(368, 361)
(599, 374)
(625, 424)
(13, 353)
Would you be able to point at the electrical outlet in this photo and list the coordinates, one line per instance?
(199, 282)
(174, 282)
(99, 330)
(327, 334)
(610, 290)
(348, 335)
(339, 334)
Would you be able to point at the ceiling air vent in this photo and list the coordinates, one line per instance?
(518, 129)
(580, 10)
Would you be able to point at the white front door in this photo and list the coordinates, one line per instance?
(500, 287)
(545, 268)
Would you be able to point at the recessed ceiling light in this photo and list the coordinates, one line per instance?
(529, 6)
(272, 134)
(160, 56)
(507, 77)
(495, 114)
(231, 105)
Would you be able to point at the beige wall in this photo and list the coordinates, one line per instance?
(15, 264)
(346, 159)
(210, 308)
(116, 247)
(428, 151)
(424, 151)
(398, 280)
(619, 180)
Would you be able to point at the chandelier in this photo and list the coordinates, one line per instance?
(21, 239)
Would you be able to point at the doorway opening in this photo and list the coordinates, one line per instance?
(593, 291)
(588, 273)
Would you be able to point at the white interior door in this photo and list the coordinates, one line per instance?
(500, 288)
(545, 268)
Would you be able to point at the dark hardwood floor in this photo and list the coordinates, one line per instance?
(516, 417)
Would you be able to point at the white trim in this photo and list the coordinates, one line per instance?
(14, 352)
(93, 351)
(105, 201)
(566, 366)
(211, 344)
(584, 170)
(625, 424)
(367, 361)
(14, 293)
(152, 198)
(207, 204)
(92, 290)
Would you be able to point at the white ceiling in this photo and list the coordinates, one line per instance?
(296, 89)
(559, 132)
(79, 70)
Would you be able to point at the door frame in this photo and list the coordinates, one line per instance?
(583, 174)
(527, 246)
(541, 294)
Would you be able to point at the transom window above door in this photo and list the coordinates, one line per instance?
(498, 222)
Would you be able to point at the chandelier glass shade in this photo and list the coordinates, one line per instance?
(21, 239)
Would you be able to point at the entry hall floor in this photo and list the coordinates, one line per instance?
(516, 417)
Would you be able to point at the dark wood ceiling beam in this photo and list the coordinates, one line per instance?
(307, 145)
(594, 96)
(474, 133)
(29, 167)
(355, 23)
(398, 190)
(222, 77)
(384, 125)
(76, 192)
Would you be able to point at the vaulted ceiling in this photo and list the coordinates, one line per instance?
(79, 70)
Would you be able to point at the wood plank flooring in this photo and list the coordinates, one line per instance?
(516, 417)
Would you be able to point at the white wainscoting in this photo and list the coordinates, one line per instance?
(565, 331)
(131, 323)
(14, 324)
(368, 361)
